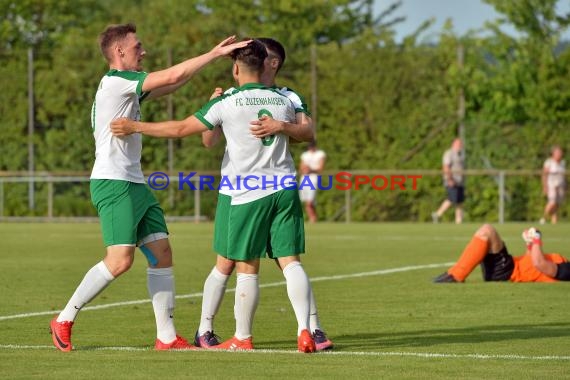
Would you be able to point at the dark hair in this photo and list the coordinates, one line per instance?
(112, 34)
(252, 55)
(274, 48)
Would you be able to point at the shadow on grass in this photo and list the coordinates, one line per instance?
(435, 337)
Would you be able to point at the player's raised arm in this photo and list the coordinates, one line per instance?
(165, 81)
(533, 238)
(212, 137)
(174, 128)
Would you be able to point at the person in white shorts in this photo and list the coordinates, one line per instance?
(553, 184)
(311, 166)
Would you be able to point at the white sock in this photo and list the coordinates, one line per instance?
(213, 294)
(298, 290)
(246, 300)
(313, 314)
(94, 281)
(161, 290)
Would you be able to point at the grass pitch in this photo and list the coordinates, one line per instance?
(373, 288)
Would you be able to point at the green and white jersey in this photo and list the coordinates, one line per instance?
(252, 168)
(119, 95)
(297, 100)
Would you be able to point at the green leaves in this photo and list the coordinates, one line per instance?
(380, 104)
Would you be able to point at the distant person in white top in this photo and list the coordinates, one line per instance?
(312, 165)
(262, 218)
(452, 166)
(129, 213)
(553, 184)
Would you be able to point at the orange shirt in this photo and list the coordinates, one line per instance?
(524, 271)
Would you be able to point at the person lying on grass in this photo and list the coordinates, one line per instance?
(488, 249)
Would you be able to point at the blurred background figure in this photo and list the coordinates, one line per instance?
(312, 165)
(453, 166)
(553, 184)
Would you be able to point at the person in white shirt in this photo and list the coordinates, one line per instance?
(453, 165)
(263, 217)
(312, 165)
(553, 184)
(216, 282)
(129, 213)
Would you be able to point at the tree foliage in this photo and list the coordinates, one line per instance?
(382, 104)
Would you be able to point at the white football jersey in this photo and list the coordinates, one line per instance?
(254, 167)
(119, 95)
(297, 100)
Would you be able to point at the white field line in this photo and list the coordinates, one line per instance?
(422, 355)
(269, 285)
(464, 238)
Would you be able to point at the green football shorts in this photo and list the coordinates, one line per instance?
(128, 211)
(272, 225)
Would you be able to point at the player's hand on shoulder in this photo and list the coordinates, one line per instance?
(217, 93)
(122, 127)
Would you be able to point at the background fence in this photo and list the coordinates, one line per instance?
(491, 195)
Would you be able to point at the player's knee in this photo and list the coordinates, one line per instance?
(485, 231)
(225, 266)
(165, 253)
(120, 266)
(283, 262)
(162, 256)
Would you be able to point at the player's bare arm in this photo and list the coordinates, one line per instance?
(302, 118)
(173, 129)
(539, 262)
(533, 238)
(267, 126)
(212, 137)
(166, 81)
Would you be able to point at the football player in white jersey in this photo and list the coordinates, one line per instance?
(129, 213)
(260, 218)
(216, 282)
(311, 166)
(553, 184)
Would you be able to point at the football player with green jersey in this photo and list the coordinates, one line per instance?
(264, 219)
(216, 282)
(130, 215)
